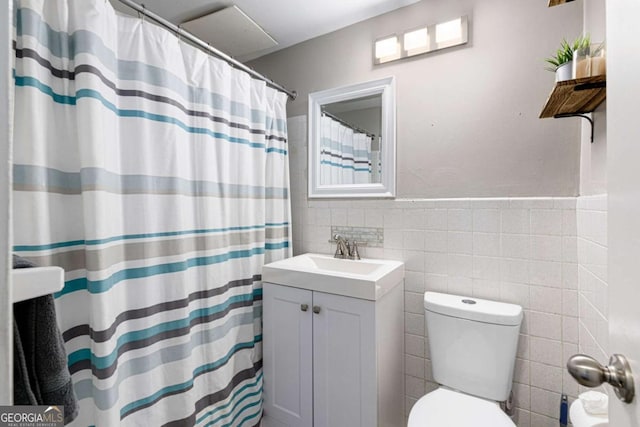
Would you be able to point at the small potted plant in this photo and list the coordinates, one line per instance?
(562, 61)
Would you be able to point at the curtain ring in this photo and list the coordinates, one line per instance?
(178, 34)
(143, 12)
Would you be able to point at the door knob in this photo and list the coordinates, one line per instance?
(588, 372)
(304, 307)
(316, 309)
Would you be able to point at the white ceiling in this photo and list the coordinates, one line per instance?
(288, 21)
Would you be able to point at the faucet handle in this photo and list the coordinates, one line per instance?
(353, 252)
(337, 237)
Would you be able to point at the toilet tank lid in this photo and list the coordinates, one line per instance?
(475, 309)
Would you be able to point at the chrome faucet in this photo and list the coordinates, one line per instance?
(344, 249)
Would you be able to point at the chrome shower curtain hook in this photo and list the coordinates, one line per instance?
(144, 14)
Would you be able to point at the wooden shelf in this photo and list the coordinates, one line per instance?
(578, 96)
(557, 2)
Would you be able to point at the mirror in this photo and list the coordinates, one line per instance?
(352, 141)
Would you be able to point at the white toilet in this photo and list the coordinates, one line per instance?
(473, 345)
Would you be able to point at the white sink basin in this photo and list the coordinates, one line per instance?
(366, 279)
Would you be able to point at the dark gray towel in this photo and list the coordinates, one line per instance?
(41, 375)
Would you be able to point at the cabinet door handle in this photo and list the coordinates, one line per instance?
(316, 309)
(304, 307)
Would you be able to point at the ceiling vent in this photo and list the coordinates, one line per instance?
(231, 31)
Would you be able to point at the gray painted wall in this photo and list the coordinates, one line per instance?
(593, 157)
(467, 117)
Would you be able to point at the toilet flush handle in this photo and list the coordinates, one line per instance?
(588, 372)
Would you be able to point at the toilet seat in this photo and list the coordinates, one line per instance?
(448, 408)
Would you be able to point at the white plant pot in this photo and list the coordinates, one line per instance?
(564, 71)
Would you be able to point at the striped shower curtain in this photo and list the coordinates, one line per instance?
(157, 177)
(345, 154)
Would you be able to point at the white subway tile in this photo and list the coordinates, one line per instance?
(546, 222)
(570, 329)
(570, 302)
(546, 403)
(322, 216)
(459, 219)
(569, 385)
(435, 219)
(570, 276)
(546, 377)
(414, 302)
(355, 217)
(436, 282)
(569, 249)
(414, 219)
(547, 300)
(545, 273)
(462, 286)
(521, 371)
(522, 417)
(414, 345)
(486, 220)
(486, 268)
(546, 351)
(523, 347)
(414, 324)
(393, 219)
(374, 218)
(428, 371)
(434, 241)
(460, 242)
(515, 221)
(539, 420)
(435, 262)
(516, 246)
(414, 281)
(515, 293)
(414, 366)
(414, 387)
(569, 223)
(487, 244)
(414, 260)
(486, 289)
(460, 265)
(415, 240)
(393, 239)
(545, 325)
(546, 248)
(514, 270)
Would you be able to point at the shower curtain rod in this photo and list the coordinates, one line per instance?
(349, 125)
(203, 45)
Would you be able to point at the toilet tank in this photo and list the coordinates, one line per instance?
(473, 343)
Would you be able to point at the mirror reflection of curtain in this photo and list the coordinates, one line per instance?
(345, 154)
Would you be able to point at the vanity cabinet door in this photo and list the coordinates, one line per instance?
(344, 361)
(287, 356)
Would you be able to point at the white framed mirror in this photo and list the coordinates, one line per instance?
(352, 141)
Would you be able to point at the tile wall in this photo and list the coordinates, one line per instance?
(518, 250)
(592, 276)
